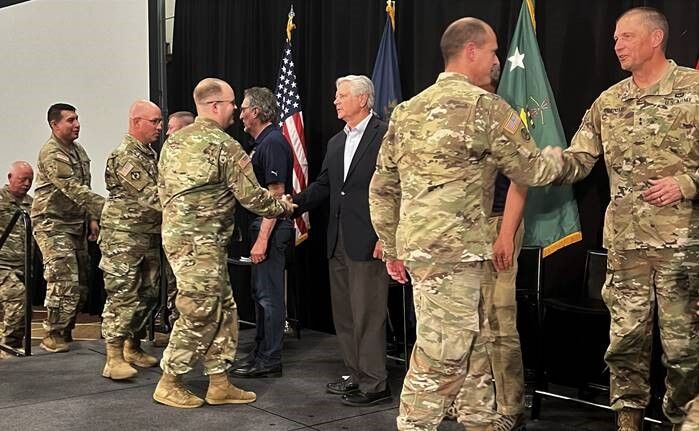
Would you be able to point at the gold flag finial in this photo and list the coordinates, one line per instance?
(290, 26)
(391, 10)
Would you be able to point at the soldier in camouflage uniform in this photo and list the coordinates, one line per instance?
(14, 197)
(65, 213)
(203, 174)
(647, 129)
(501, 303)
(176, 121)
(431, 198)
(130, 242)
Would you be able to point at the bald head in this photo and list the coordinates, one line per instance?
(215, 100)
(20, 178)
(145, 121)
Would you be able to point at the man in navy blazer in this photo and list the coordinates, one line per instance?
(358, 278)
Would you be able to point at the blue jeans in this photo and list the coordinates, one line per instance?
(268, 292)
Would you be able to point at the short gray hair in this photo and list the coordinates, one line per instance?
(263, 99)
(653, 20)
(359, 84)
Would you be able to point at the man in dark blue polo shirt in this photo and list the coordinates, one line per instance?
(273, 166)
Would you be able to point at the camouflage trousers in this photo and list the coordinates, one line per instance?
(66, 264)
(131, 267)
(506, 352)
(451, 347)
(636, 280)
(12, 305)
(171, 292)
(691, 421)
(207, 328)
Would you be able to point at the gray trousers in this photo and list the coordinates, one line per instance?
(359, 293)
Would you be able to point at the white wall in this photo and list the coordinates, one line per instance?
(92, 54)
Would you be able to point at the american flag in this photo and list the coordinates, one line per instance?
(291, 123)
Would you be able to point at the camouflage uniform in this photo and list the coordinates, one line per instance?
(12, 268)
(647, 134)
(63, 203)
(431, 199)
(203, 173)
(130, 239)
(691, 422)
(506, 352)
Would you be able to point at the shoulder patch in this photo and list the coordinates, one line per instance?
(124, 171)
(512, 123)
(244, 161)
(63, 157)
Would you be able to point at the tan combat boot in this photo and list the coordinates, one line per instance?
(116, 367)
(53, 342)
(133, 354)
(629, 419)
(171, 392)
(222, 391)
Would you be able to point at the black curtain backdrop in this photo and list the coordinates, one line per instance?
(240, 42)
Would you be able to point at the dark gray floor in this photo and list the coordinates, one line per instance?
(66, 392)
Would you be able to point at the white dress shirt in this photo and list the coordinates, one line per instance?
(354, 135)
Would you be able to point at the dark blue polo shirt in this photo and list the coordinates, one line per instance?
(502, 184)
(272, 159)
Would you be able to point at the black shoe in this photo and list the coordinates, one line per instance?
(359, 398)
(256, 370)
(245, 361)
(342, 386)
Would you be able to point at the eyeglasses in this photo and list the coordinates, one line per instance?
(243, 108)
(153, 121)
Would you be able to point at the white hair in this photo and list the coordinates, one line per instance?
(359, 84)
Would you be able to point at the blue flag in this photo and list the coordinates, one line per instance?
(386, 77)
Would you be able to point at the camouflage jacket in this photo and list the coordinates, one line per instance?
(432, 193)
(203, 172)
(63, 200)
(12, 253)
(643, 134)
(131, 177)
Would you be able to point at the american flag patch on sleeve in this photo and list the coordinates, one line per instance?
(512, 123)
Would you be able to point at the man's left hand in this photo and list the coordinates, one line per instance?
(378, 250)
(258, 251)
(396, 269)
(503, 252)
(663, 192)
(94, 231)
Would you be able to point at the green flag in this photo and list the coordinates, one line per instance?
(551, 213)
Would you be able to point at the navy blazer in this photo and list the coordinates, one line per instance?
(349, 199)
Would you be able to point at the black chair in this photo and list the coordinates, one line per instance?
(579, 323)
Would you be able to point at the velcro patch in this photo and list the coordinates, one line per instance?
(244, 161)
(512, 123)
(63, 157)
(124, 171)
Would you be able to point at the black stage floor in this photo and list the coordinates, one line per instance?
(66, 392)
